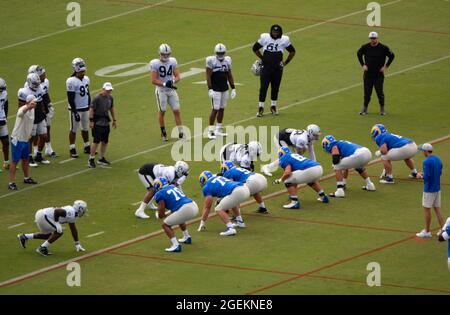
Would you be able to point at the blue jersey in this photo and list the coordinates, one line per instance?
(392, 141)
(173, 197)
(297, 162)
(432, 171)
(346, 148)
(218, 186)
(238, 174)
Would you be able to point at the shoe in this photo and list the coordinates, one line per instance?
(87, 149)
(387, 180)
(339, 193)
(22, 240)
(104, 162)
(265, 170)
(91, 163)
(262, 210)
(51, 154)
(228, 232)
(219, 133)
(273, 110)
(202, 226)
(424, 234)
(174, 249)
(185, 240)
(323, 199)
(40, 159)
(29, 180)
(369, 187)
(260, 112)
(32, 162)
(73, 153)
(239, 224)
(292, 205)
(152, 206)
(211, 135)
(164, 137)
(141, 214)
(362, 113)
(439, 232)
(13, 186)
(382, 114)
(43, 251)
(413, 175)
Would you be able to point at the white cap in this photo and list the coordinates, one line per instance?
(373, 35)
(108, 86)
(426, 147)
(31, 98)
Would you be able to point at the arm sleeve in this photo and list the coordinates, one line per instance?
(71, 100)
(426, 171)
(6, 108)
(360, 54)
(257, 46)
(181, 180)
(290, 48)
(89, 98)
(390, 56)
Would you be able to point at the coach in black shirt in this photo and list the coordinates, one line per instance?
(372, 57)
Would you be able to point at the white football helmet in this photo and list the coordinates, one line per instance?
(314, 131)
(78, 65)
(32, 69)
(33, 81)
(220, 50)
(257, 67)
(254, 149)
(181, 168)
(36, 69)
(80, 207)
(164, 52)
(2, 85)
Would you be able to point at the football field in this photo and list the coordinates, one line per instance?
(319, 249)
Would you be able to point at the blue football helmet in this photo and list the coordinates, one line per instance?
(227, 165)
(204, 176)
(282, 151)
(377, 130)
(160, 182)
(327, 141)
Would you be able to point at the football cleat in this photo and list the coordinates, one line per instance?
(239, 224)
(87, 149)
(369, 187)
(174, 249)
(22, 240)
(424, 234)
(228, 232)
(387, 180)
(13, 186)
(211, 135)
(260, 112)
(292, 205)
(91, 163)
(323, 199)
(262, 210)
(43, 251)
(339, 193)
(185, 240)
(32, 162)
(141, 214)
(73, 153)
(51, 154)
(29, 180)
(104, 162)
(413, 175)
(273, 110)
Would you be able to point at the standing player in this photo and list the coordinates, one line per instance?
(299, 170)
(242, 154)
(4, 135)
(300, 140)
(256, 183)
(273, 45)
(182, 210)
(345, 156)
(49, 222)
(218, 75)
(175, 175)
(79, 100)
(164, 74)
(231, 194)
(393, 147)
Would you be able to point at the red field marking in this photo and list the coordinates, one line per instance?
(400, 179)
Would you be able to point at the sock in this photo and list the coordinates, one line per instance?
(26, 178)
(163, 130)
(262, 205)
(414, 171)
(35, 149)
(180, 129)
(174, 241)
(273, 103)
(29, 236)
(344, 181)
(186, 234)
(389, 176)
(72, 146)
(219, 126)
(211, 128)
(340, 185)
(91, 157)
(239, 218)
(230, 225)
(293, 198)
(6, 162)
(322, 193)
(45, 244)
(48, 146)
(261, 104)
(86, 144)
(142, 206)
(368, 181)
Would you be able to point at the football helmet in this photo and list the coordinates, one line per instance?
(160, 182)
(327, 141)
(181, 168)
(377, 130)
(257, 67)
(220, 51)
(80, 207)
(314, 131)
(78, 65)
(33, 81)
(164, 52)
(283, 151)
(204, 176)
(227, 165)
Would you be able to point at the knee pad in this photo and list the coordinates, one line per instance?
(360, 170)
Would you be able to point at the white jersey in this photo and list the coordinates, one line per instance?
(23, 93)
(70, 217)
(164, 69)
(274, 45)
(220, 70)
(168, 172)
(3, 100)
(81, 89)
(300, 139)
(239, 154)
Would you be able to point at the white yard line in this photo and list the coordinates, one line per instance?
(15, 225)
(95, 234)
(68, 160)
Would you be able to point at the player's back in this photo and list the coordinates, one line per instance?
(299, 138)
(238, 174)
(392, 141)
(219, 186)
(173, 197)
(164, 171)
(297, 162)
(346, 148)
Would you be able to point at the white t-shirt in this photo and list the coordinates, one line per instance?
(23, 125)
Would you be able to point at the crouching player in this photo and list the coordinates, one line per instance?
(444, 235)
(231, 194)
(347, 155)
(242, 154)
(256, 183)
(182, 210)
(299, 170)
(49, 222)
(393, 148)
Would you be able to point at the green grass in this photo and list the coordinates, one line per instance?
(322, 245)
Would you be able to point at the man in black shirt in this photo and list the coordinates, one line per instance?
(372, 57)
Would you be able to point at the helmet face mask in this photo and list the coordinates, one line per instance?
(283, 151)
(220, 50)
(164, 52)
(227, 165)
(327, 141)
(80, 207)
(78, 65)
(276, 31)
(377, 130)
(314, 131)
(181, 168)
(33, 81)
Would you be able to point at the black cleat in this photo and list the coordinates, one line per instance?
(13, 186)
(91, 163)
(22, 240)
(104, 162)
(164, 137)
(260, 112)
(31, 161)
(273, 110)
(87, 149)
(43, 251)
(262, 210)
(29, 180)
(73, 153)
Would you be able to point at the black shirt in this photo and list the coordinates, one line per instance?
(375, 57)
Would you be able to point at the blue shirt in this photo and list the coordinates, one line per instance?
(392, 141)
(297, 162)
(238, 174)
(218, 186)
(432, 171)
(346, 148)
(173, 197)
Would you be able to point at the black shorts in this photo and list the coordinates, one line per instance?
(285, 136)
(147, 170)
(100, 134)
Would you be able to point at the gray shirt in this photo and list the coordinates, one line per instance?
(101, 106)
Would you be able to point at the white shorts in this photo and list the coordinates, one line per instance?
(310, 175)
(256, 183)
(431, 200)
(39, 129)
(44, 224)
(182, 215)
(403, 153)
(237, 196)
(219, 100)
(358, 159)
(166, 96)
(4, 131)
(84, 121)
(146, 180)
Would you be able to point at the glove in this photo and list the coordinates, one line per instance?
(233, 93)
(276, 181)
(169, 84)
(77, 117)
(51, 110)
(58, 228)
(202, 226)
(211, 93)
(78, 247)
(281, 65)
(377, 153)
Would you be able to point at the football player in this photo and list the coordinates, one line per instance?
(182, 209)
(300, 140)
(242, 154)
(347, 155)
(4, 135)
(49, 221)
(176, 175)
(393, 147)
(79, 99)
(256, 183)
(231, 194)
(299, 170)
(444, 235)
(218, 76)
(273, 45)
(164, 75)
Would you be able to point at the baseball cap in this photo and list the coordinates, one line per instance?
(373, 35)
(426, 147)
(108, 86)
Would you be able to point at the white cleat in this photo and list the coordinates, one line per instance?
(153, 206)
(424, 234)
(228, 232)
(339, 193)
(265, 170)
(369, 187)
(221, 134)
(202, 226)
(239, 224)
(211, 135)
(174, 248)
(141, 214)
